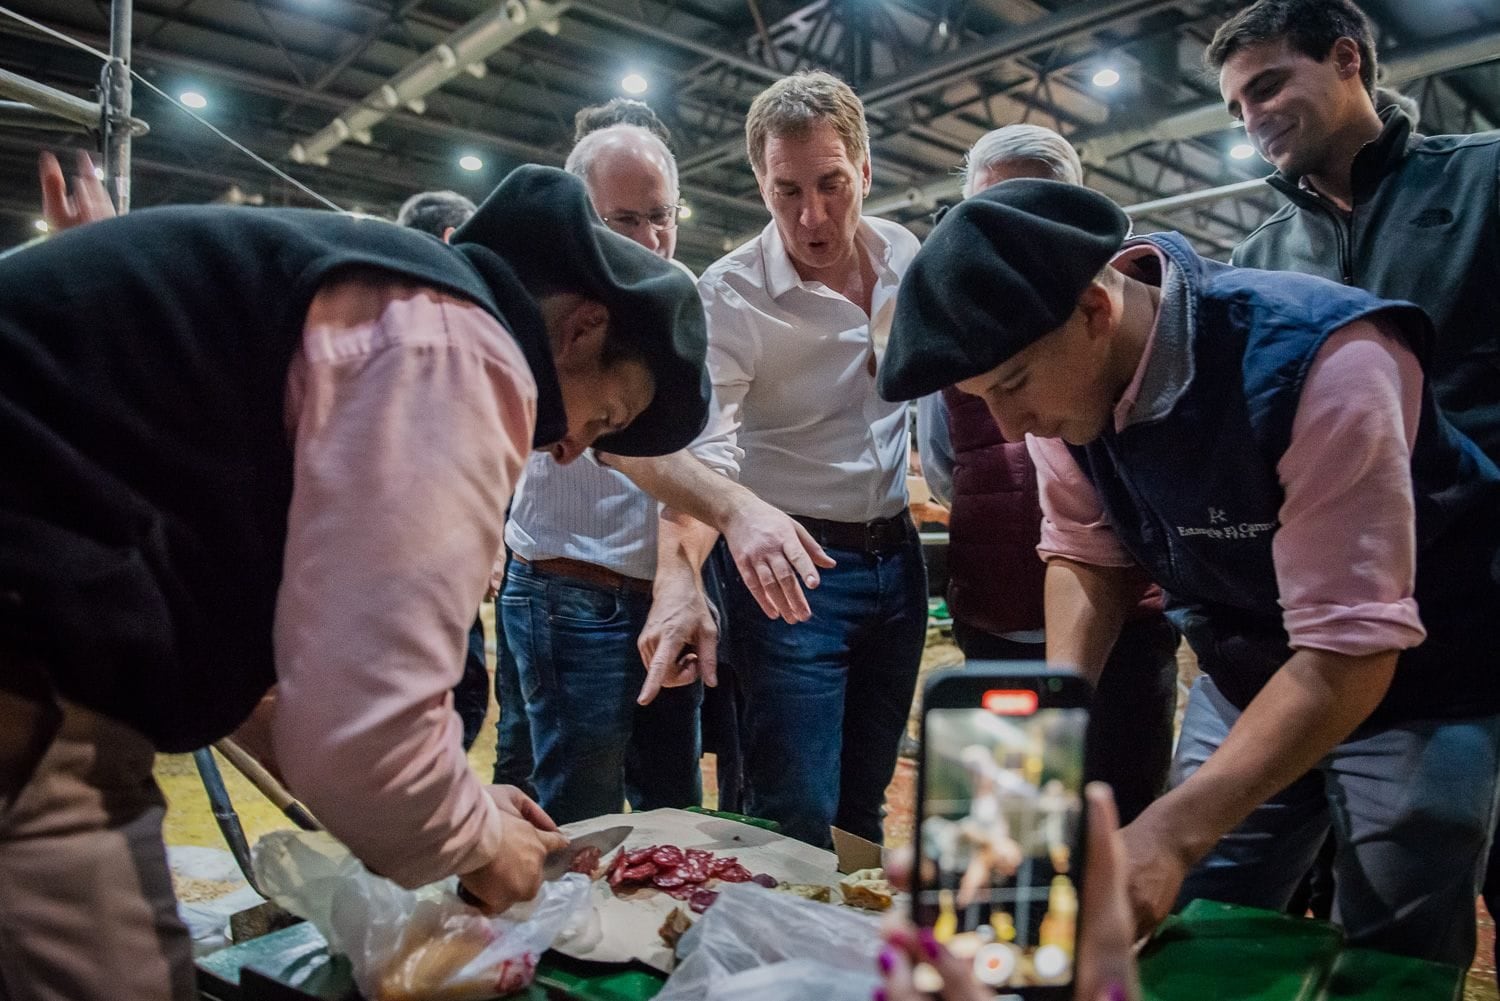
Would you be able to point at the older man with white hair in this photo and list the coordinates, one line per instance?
(995, 578)
(578, 589)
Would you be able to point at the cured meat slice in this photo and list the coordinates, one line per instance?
(639, 873)
(668, 855)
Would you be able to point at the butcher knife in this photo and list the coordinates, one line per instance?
(607, 840)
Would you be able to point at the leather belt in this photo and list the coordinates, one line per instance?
(879, 536)
(587, 573)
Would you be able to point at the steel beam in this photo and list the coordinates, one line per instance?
(468, 46)
(964, 64)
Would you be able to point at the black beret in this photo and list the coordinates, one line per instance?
(1001, 270)
(541, 222)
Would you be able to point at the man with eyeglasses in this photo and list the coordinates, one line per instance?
(577, 592)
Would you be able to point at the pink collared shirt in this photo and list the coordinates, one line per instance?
(410, 413)
(1345, 552)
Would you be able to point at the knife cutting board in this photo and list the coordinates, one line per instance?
(626, 927)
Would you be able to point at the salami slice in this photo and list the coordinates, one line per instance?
(639, 855)
(639, 873)
(701, 900)
(668, 855)
(668, 879)
(735, 874)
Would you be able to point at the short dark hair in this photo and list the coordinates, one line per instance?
(619, 111)
(435, 211)
(1309, 26)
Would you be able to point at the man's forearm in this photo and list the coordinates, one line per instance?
(683, 543)
(1307, 708)
(683, 483)
(1085, 606)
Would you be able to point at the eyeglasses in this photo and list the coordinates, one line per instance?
(661, 218)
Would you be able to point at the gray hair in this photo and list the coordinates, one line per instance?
(1022, 142)
(435, 212)
(586, 153)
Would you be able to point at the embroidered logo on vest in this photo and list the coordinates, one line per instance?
(1219, 527)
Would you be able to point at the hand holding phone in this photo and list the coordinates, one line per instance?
(1000, 822)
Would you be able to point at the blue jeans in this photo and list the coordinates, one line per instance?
(1412, 809)
(825, 701)
(513, 758)
(580, 672)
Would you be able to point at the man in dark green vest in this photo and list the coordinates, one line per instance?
(253, 447)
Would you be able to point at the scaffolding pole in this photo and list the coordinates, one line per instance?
(54, 102)
(114, 96)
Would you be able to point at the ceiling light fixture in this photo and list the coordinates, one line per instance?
(1242, 151)
(634, 83)
(193, 99)
(1106, 77)
(471, 163)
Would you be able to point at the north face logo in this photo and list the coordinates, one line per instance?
(1432, 217)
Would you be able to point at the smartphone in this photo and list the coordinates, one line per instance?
(1000, 822)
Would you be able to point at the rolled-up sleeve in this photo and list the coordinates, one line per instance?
(1074, 525)
(1345, 553)
(410, 413)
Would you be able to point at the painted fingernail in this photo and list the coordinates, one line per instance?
(1117, 992)
(879, 994)
(929, 944)
(887, 960)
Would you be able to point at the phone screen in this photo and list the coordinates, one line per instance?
(1000, 820)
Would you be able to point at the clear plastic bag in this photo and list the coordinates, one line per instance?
(758, 943)
(406, 945)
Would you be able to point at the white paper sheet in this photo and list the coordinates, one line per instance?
(627, 926)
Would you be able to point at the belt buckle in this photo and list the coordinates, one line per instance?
(874, 541)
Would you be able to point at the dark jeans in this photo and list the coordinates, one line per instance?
(471, 696)
(825, 701)
(1130, 724)
(513, 758)
(721, 726)
(580, 673)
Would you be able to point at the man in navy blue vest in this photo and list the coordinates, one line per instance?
(247, 447)
(1264, 446)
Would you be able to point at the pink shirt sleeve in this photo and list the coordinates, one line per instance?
(411, 414)
(1345, 553)
(1073, 522)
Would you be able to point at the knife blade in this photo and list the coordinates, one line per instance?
(559, 862)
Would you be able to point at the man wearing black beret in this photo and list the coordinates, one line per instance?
(255, 447)
(1264, 446)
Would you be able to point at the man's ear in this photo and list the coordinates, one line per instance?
(865, 173)
(581, 333)
(1347, 61)
(1098, 308)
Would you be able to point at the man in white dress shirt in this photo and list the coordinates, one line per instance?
(827, 687)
